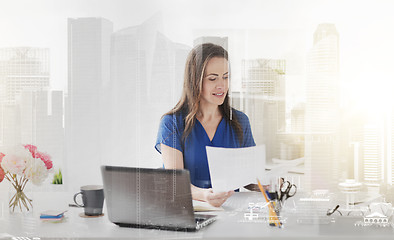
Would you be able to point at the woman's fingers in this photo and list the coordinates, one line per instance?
(217, 202)
(219, 195)
(217, 199)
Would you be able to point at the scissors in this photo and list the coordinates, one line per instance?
(287, 190)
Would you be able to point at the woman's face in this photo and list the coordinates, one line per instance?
(215, 81)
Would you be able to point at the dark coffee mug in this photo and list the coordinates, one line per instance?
(92, 199)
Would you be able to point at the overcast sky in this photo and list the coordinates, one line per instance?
(365, 28)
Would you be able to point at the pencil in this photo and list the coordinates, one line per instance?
(277, 222)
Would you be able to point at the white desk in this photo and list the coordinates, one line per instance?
(230, 224)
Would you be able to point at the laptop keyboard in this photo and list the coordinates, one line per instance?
(202, 222)
(199, 220)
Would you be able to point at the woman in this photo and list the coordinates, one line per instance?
(203, 117)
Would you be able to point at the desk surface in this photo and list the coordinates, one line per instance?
(230, 224)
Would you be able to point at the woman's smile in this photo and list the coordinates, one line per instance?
(219, 95)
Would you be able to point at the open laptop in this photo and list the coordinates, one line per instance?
(151, 198)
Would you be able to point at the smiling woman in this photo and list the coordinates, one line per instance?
(203, 117)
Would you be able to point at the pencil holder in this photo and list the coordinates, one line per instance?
(274, 213)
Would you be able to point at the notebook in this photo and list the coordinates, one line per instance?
(151, 198)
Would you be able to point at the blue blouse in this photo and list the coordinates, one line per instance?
(193, 148)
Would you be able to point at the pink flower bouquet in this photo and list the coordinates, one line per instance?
(20, 164)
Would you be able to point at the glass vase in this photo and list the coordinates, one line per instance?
(19, 200)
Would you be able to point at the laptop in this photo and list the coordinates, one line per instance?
(151, 198)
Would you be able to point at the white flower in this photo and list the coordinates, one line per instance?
(36, 171)
(15, 160)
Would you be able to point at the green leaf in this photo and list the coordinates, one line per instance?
(57, 178)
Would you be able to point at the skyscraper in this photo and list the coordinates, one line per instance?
(353, 134)
(146, 82)
(298, 118)
(263, 82)
(391, 147)
(41, 120)
(322, 109)
(132, 76)
(373, 154)
(21, 69)
(89, 43)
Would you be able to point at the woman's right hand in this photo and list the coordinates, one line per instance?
(207, 195)
(216, 199)
(173, 159)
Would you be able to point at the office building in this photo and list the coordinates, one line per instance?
(3, 64)
(21, 69)
(373, 154)
(146, 82)
(322, 110)
(263, 84)
(41, 121)
(298, 118)
(352, 134)
(133, 76)
(89, 43)
(391, 147)
(292, 143)
(10, 125)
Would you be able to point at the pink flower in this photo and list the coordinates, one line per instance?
(15, 160)
(36, 171)
(2, 173)
(45, 158)
(32, 149)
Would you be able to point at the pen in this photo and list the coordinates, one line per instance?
(268, 194)
(272, 191)
(277, 222)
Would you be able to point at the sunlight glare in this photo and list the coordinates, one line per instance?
(372, 93)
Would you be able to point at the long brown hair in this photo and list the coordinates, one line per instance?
(192, 86)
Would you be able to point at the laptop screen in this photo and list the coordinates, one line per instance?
(153, 197)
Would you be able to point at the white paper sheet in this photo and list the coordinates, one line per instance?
(233, 168)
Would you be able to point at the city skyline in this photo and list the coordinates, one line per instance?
(358, 38)
(145, 54)
(262, 79)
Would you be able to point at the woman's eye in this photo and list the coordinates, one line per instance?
(211, 79)
(225, 77)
